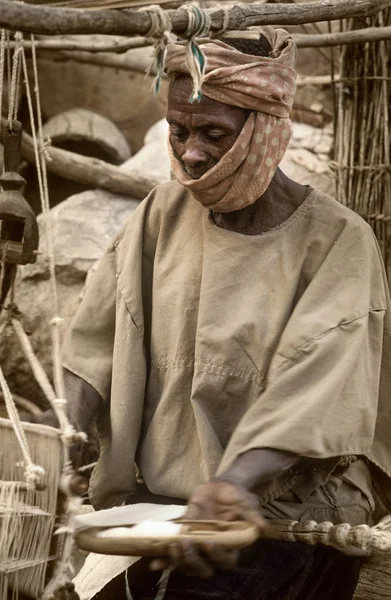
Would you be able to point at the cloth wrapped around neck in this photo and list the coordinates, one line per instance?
(263, 85)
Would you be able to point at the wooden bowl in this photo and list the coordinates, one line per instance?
(230, 535)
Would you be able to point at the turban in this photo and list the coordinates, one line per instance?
(263, 85)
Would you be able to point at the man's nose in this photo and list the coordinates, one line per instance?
(194, 154)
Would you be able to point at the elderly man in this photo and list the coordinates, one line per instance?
(232, 339)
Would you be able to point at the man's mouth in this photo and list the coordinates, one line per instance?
(195, 173)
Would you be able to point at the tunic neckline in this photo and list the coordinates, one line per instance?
(294, 217)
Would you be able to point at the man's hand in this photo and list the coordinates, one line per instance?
(46, 418)
(216, 500)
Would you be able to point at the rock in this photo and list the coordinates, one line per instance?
(317, 140)
(83, 227)
(307, 157)
(158, 131)
(308, 169)
(151, 161)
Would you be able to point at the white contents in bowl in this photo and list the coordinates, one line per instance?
(146, 529)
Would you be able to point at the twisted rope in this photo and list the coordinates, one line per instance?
(160, 29)
(68, 433)
(198, 26)
(33, 473)
(2, 68)
(15, 80)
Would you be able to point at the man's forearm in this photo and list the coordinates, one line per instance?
(258, 466)
(84, 401)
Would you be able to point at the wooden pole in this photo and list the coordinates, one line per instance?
(52, 20)
(94, 44)
(359, 36)
(89, 171)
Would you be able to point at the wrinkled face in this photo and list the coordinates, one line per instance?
(202, 132)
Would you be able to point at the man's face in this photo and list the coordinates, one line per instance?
(202, 132)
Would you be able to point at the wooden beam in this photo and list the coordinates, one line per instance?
(359, 36)
(316, 80)
(130, 61)
(89, 171)
(94, 44)
(90, 43)
(53, 20)
(138, 63)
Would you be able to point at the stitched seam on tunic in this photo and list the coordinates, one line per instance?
(219, 369)
(322, 335)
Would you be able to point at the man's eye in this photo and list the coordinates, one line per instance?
(215, 135)
(178, 133)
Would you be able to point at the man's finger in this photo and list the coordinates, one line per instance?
(186, 557)
(159, 564)
(253, 516)
(223, 559)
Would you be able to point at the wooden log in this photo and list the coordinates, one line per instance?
(89, 171)
(53, 20)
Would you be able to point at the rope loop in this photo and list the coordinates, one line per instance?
(33, 474)
(70, 436)
(225, 25)
(199, 21)
(160, 21)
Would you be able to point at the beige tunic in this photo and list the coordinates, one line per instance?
(205, 343)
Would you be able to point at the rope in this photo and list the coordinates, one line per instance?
(69, 435)
(63, 568)
(40, 159)
(160, 29)
(2, 68)
(198, 26)
(9, 61)
(163, 583)
(2, 267)
(15, 78)
(224, 26)
(33, 473)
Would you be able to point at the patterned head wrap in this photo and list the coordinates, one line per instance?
(264, 85)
